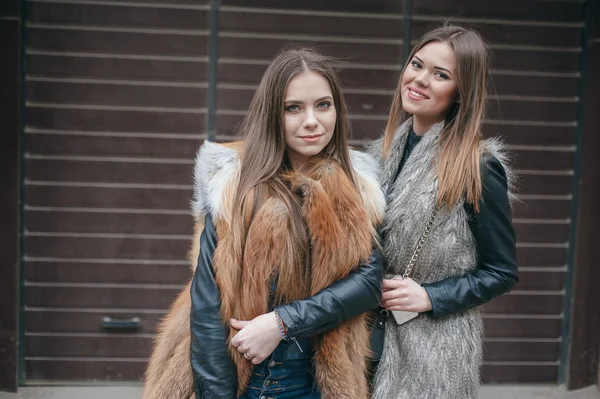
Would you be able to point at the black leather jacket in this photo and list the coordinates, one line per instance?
(496, 271)
(214, 372)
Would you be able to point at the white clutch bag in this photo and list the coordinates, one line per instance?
(402, 316)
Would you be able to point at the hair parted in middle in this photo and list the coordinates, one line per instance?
(264, 158)
(459, 174)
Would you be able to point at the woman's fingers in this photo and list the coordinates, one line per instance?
(394, 284)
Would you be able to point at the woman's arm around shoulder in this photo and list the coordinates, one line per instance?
(346, 298)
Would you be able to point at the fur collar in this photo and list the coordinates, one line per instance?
(217, 166)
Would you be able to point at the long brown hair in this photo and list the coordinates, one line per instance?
(264, 156)
(459, 175)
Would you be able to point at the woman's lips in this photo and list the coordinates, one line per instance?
(311, 139)
(416, 95)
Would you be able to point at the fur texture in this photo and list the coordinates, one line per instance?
(427, 358)
(341, 225)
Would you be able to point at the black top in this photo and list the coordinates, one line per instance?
(492, 228)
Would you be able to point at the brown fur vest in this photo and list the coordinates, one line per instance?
(341, 225)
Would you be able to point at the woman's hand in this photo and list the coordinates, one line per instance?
(258, 338)
(407, 295)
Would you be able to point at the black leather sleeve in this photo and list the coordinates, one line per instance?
(348, 297)
(496, 271)
(214, 372)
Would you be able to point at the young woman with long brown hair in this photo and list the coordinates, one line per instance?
(447, 235)
(285, 261)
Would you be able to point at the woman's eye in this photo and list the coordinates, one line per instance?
(292, 108)
(324, 104)
(415, 64)
(441, 75)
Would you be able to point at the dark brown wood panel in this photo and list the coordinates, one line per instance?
(519, 373)
(310, 24)
(104, 345)
(351, 74)
(383, 6)
(128, 146)
(118, 15)
(544, 111)
(527, 351)
(531, 85)
(535, 10)
(118, 261)
(534, 280)
(109, 197)
(544, 184)
(542, 232)
(114, 81)
(522, 327)
(91, 297)
(531, 303)
(110, 272)
(375, 52)
(10, 114)
(97, 67)
(115, 94)
(542, 209)
(521, 134)
(57, 221)
(125, 42)
(530, 60)
(117, 247)
(186, 4)
(542, 256)
(545, 35)
(109, 172)
(46, 320)
(582, 368)
(85, 369)
(103, 120)
(541, 159)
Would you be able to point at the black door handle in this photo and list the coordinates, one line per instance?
(121, 324)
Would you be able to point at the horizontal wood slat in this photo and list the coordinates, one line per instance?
(112, 197)
(116, 15)
(95, 66)
(129, 42)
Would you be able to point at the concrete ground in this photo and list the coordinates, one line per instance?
(128, 392)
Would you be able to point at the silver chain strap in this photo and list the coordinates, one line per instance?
(420, 244)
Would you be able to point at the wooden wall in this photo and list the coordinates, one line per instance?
(116, 108)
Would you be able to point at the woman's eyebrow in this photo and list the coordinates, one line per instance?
(436, 67)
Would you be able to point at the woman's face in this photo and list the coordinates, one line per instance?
(309, 116)
(429, 87)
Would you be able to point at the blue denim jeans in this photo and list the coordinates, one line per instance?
(287, 374)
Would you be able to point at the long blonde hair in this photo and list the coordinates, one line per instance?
(264, 157)
(459, 174)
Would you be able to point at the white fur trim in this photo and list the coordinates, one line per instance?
(215, 167)
(367, 170)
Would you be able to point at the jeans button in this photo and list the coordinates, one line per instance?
(268, 383)
(272, 363)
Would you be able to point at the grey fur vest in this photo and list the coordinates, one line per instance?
(428, 358)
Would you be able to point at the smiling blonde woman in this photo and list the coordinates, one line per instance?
(449, 244)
